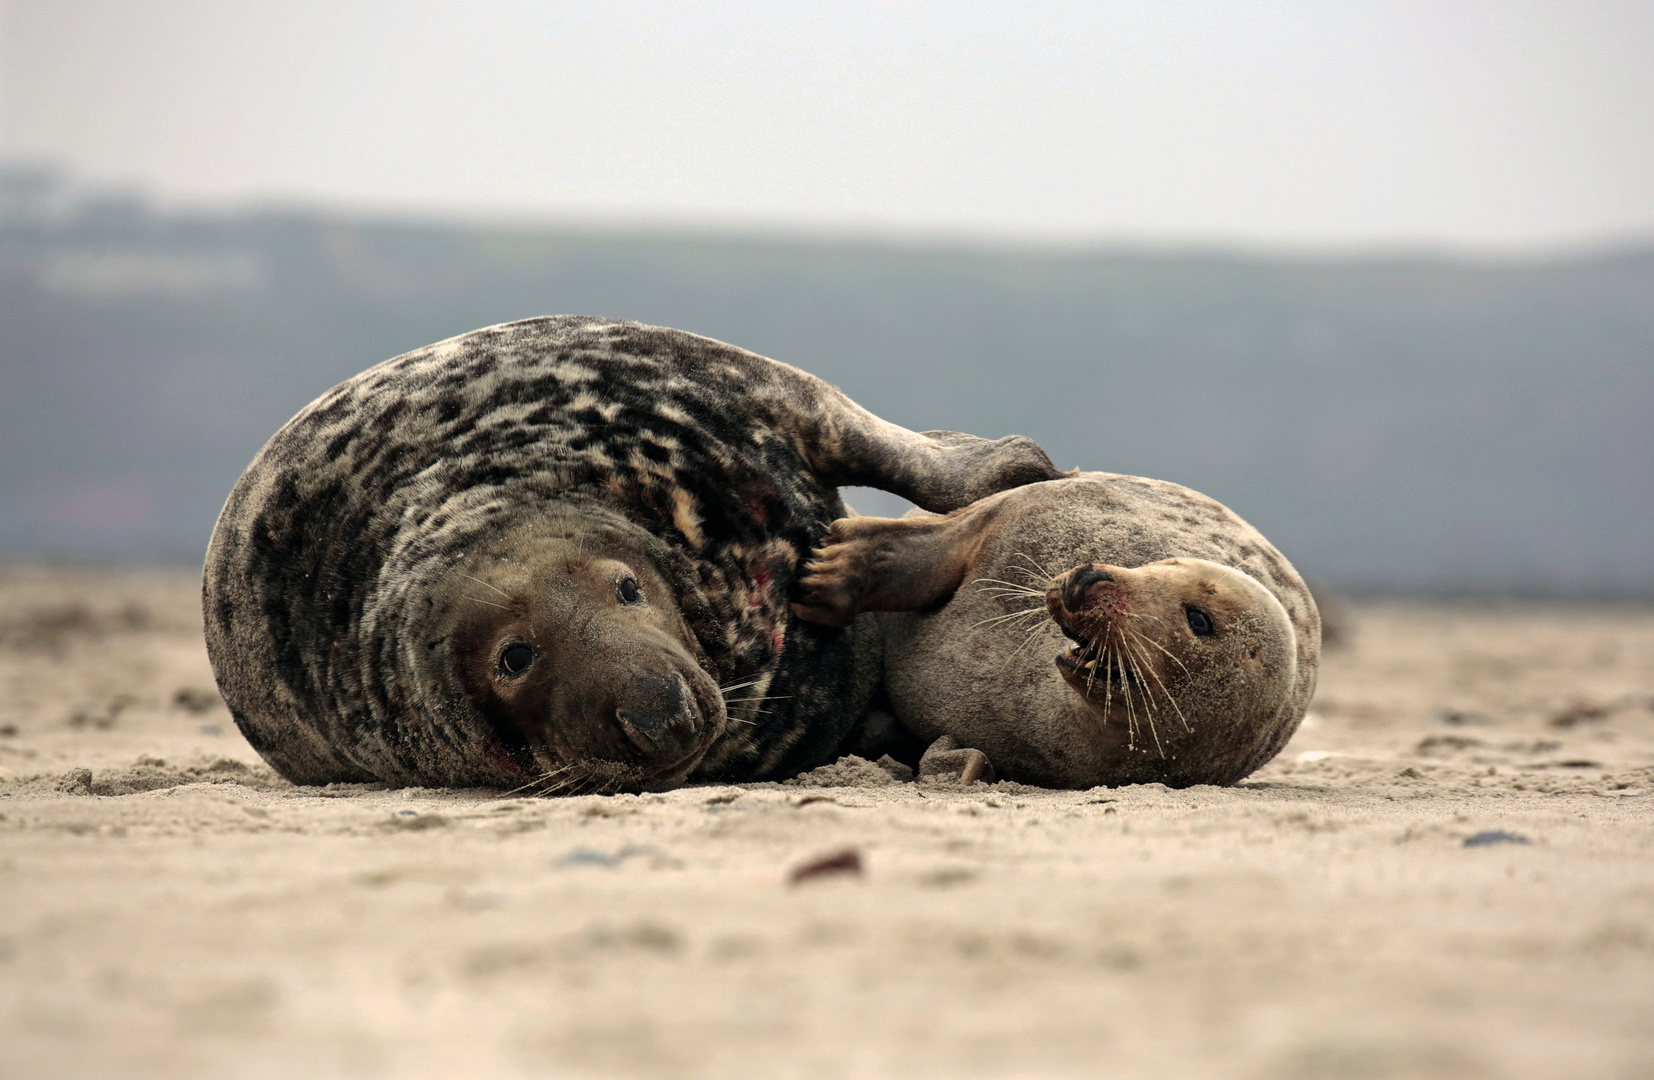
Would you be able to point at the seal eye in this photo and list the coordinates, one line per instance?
(628, 591)
(1200, 622)
(516, 656)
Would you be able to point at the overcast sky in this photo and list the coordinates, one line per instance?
(1442, 122)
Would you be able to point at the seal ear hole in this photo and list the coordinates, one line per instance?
(516, 657)
(628, 590)
(1200, 622)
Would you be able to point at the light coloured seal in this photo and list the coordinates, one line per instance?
(558, 554)
(1095, 630)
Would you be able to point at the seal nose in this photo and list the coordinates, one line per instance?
(1080, 580)
(660, 718)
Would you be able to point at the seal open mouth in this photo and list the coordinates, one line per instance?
(1088, 668)
(1084, 603)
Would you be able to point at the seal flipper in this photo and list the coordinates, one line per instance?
(845, 445)
(892, 564)
(939, 471)
(947, 761)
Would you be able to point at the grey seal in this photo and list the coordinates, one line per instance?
(1095, 630)
(558, 554)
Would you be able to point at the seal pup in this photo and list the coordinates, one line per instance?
(557, 554)
(1095, 630)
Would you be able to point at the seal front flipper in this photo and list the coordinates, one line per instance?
(892, 564)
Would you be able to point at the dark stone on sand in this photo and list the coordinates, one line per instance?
(1494, 836)
(847, 861)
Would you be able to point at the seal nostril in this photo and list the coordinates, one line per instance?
(689, 718)
(639, 732)
(1080, 580)
(660, 718)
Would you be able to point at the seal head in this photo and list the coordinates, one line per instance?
(1173, 646)
(571, 643)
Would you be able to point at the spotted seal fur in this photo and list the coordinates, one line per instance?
(1100, 629)
(559, 553)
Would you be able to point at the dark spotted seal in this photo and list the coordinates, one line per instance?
(1100, 629)
(558, 553)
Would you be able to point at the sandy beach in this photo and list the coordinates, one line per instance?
(1448, 873)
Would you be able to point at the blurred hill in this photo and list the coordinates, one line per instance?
(1393, 424)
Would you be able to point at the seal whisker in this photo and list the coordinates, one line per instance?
(569, 783)
(1012, 616)
(1128, 696)
(1030, 560)
(1161, 683)
(1008, 618)
(1030, 635)
(487, 603)
(1163, 649)
(999, 581)
(1034, 593)
(487, 585)
(520, 787)
(1009, 598)
(1114, 666)
(1125, 695)
(1045, 573)
(1147, 697)
(1024, 590)
(1013, 597)
(1108, 694)
(543, 778)
(1143, 640)
(1017, 590)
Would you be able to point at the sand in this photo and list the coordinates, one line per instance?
(1448, 873)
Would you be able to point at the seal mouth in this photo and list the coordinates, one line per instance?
(1086, 668)
(578, 775)
(651, 744)
(673, 775)
(1088, 606)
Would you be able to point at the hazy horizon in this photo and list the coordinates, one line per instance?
(1418, 425)
(90, 191)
